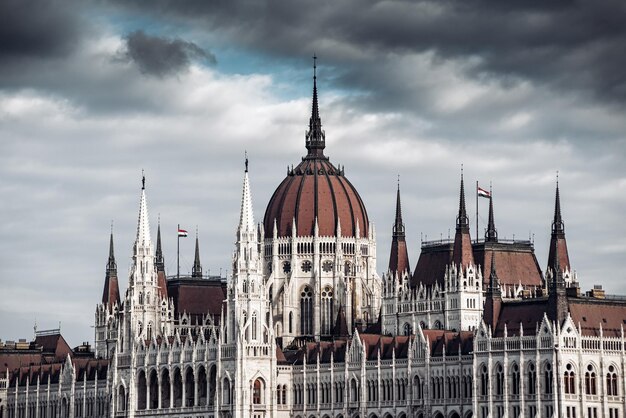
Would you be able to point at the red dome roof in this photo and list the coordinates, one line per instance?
(316, 188)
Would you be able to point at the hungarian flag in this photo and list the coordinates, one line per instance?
(182, 233)
(484, 193)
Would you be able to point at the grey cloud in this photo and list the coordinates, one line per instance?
(30, 28)
(160, 56)
(569, 46)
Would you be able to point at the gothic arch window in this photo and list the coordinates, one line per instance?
(245, 286)
(532, 379)
(569, 380)
(254, 326)
(306, 311)
(499, 380)
(141, 298)
(437, 325)
(484, 381)
(149, 331)
(591, 387)
(611, 382)
(547, 378)
(408, 329)
(515, 379)
(226, 391)
(327, 310)
(257, 392)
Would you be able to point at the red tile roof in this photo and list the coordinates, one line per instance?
(316, 188)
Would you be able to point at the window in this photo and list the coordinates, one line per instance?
(484, 381)
(499, 380)
(547, 379)
(327, 266)
(569, 381)
(306, 311)
(306, 266)
(611, 382)
(287, 267)
(257, 392)
(254, 326)
(515, 380)
(590, 381)
(327, 310)
(532, 379)
(408, 330)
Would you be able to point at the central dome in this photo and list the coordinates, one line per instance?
(316, 189)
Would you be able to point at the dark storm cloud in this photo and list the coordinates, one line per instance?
(570, 46)
(159, 56)
(35, 29)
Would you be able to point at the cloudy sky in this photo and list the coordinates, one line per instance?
(92, 92)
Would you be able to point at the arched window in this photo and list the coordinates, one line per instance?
(515, 379)
(569, 380)
(226, 391)
(141, 298)
(257, 392)
(484, 381)
(354, 391)
(290, 322)
(437, 325)
(327, 310)
(611, 382)
(547, 378)
(254, 326)
(532, 379)
(306, 311)
(499, 380)
(590, 381)
(408, 329)
(149, 331)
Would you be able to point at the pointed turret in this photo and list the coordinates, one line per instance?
(557, 297)
(315, 137)
(493, 298)
(111, 293)
(491, 235)
(462, 254)
(399, 256)
(246, 215)
(142, 241)
(341, 324)
(558, 244)
(197, 268)
(158, 259)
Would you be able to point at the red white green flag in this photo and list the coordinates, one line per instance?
(484, 193)
(182, 233)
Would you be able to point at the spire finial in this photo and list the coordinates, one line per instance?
(462, 221)
(246, 156)
(492, 234)
(197, 267)
(315, 138)
(557, 224)
(143, 180)
(398, 227)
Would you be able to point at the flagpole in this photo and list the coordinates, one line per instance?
(476, 210)
(178, 252)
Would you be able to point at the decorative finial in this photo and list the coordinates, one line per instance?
(111, 226)
(557, 178)
(314, 66)
(398, 181)
(143, 180)
(246, 155)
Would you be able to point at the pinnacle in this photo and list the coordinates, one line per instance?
(492, 234)
(246, 216)
(462, 221)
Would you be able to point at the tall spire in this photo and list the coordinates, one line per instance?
(398, 227)
(315, 137)
(111, 264)
(462, 254)
(558, 244)
(399, 256)
(111, 291)
(197, 268)
(493, 298)
(159, 261)
(492, 233)
(246, 216)
(143, 224)
(462, 221)
(558, 227)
